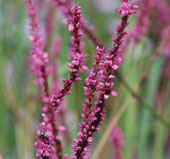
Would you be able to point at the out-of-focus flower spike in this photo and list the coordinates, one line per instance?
(46, 143)
(116, 139)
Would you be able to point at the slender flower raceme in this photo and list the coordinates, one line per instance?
(38, 57)
(47, 134)
(116, 139)
(94, 116)
(75, 24)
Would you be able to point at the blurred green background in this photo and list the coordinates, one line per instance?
(145, 136)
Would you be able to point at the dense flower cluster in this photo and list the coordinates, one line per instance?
(117, 141)
(101, 83)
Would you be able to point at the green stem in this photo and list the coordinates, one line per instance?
(165, 122)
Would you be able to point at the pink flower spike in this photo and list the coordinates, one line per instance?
(46, 144)
(75, 24)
